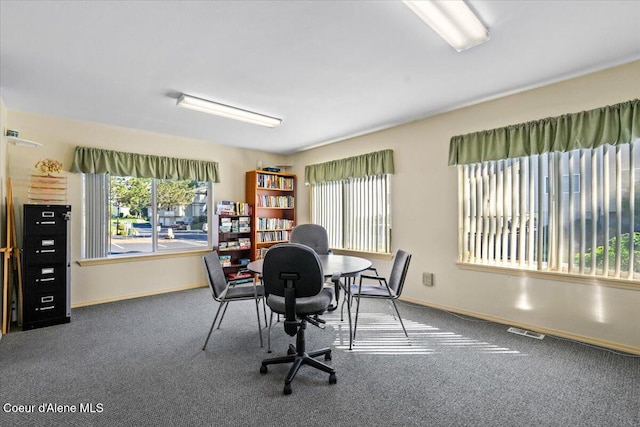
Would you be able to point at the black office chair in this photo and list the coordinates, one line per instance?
(225, 292)
(293, 279)
(383, 289)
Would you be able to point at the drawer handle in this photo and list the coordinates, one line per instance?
(46, 222)
(46, 251)
(47, 279)
(46, 299)
(51, 307)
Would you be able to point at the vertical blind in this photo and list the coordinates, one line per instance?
(572, 212)
(96, 222)
(355, 212)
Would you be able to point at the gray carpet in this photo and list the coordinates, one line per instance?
(139, 362)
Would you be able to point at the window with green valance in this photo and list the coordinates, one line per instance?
(99, 161)
(613, 125)
(371, 164)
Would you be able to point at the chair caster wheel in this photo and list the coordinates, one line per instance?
(287, 389)
(332, 379)
(327, 356)
(263, 369)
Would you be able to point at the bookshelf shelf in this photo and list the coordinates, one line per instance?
(273, 213)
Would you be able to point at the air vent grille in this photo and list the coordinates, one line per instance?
(525, 333)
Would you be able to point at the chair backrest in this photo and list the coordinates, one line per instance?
(296, 260)
(399, 271)
(312, 235)
(215, 274)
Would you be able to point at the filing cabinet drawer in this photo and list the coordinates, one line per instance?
(45, 220)
(45, 249)
(44, 306)
(45, 278)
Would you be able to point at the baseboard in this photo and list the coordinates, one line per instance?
(139, 295)
(542, 330)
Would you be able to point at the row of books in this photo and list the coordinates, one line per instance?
(274, 224)
(275, 201)
(276, 182)
(235, 225)
(261, 252)
(239, 275)
(241, 243)
(272, 236)
(228, 207)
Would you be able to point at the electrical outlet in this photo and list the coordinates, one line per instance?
(427, 279)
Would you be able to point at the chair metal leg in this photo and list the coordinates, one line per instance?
(396, 307)
(348, 298)
(226, 304)
(355, 327)
(213, 324)
(259, 326)
(269, 333)
(264, 309)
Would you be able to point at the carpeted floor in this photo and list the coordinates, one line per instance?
(139, 362)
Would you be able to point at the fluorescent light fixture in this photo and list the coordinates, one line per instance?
(453, 21)
(199, 104)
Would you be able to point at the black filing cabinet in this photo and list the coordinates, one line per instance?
(46, 266)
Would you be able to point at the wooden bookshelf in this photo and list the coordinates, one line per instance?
(273, 210)
(234, 244)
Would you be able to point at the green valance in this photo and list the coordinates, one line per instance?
(615, 124)
(379, 162)
(95, 160)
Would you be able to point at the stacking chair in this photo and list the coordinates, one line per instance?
(293, 280)
(224, 292)
(383, 289)
(315, 236)
(312, 235)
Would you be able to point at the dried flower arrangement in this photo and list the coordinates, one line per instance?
(48, 166)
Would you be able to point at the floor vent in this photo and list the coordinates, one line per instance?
(526, 333)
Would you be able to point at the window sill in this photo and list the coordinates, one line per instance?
(137, 258)
(374, 255)
(552, 275)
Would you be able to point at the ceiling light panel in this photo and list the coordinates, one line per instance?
(206, 106)
(453, 20)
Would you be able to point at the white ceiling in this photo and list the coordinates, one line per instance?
(329, 69)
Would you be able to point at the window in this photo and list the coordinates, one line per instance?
(129, 215)
(356, 212)
(526, 213)
(141, 203)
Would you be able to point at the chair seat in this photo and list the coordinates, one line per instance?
(304, 306)
(240, 292)
(371, 291)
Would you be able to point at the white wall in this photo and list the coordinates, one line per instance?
(90, 284)
(424, 214)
